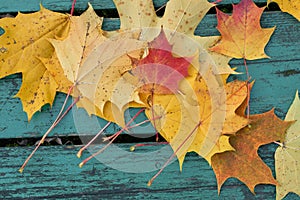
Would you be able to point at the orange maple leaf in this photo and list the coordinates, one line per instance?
(242, 35)
(244, 163)
(160, 71)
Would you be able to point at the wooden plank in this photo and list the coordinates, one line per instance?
(14, 6)
(277, 79)
(53, 173)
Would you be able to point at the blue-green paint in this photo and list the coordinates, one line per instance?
(1, 31)
(53, 171)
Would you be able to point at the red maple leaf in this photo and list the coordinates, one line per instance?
(160, 71)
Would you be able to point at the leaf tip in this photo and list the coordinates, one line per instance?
(41, 6)
(219, 188)
(297, 94)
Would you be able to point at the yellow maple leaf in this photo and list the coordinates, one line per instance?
(287, 155)
(24, 40)
(200, 119)
(53, 67)
(291, 7)
(94, 64)
(63, 84)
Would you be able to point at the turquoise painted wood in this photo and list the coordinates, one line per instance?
(54, 174)
(53, 171)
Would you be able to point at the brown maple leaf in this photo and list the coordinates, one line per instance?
(244, 163)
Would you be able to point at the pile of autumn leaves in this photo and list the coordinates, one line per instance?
(182, 88)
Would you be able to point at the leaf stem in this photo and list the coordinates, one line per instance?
(173, 155)
(65, 103)
(279, 143)
(58, 119)
(112, 138)
(164, 5)
(73, 8)
(217, 1)
(152, 111)
(248, 88)
(132, 148)
(143, 122)
(92, 140)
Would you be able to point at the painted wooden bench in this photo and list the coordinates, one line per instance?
(54, 173)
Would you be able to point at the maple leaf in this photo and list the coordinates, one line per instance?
(287, 156)
(160, 72)
(53, 67)
(219, 61)
(218, 115)
(196, 121)
(64, 84)
(175, 119)
(264, 128)
(24, 40)
(291, 7)
(179, 23)
(135, 14)
(242, 35)
(95, 64)
(182, 17)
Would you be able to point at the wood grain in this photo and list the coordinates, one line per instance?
(53, 173)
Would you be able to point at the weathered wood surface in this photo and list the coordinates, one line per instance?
(53, 173)
(65, 5)
(276, 81)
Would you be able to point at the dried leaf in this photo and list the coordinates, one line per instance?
(291, 7)
(195, 122)
(24, 40)
(95, 64)
(242, 35)
(264, 128)
(287, 156)
(160, 71)
(136, 14)
(182, 17)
